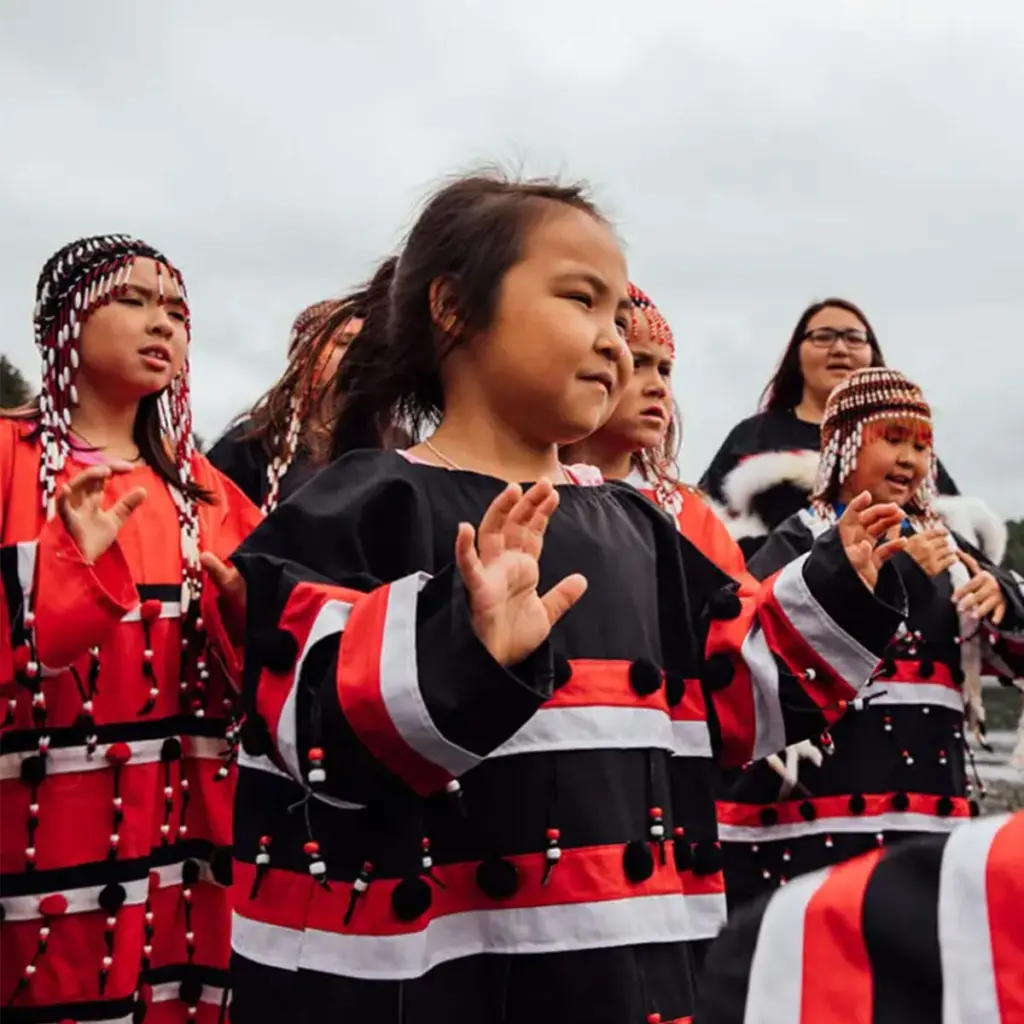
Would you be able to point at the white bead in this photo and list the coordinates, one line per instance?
(262, 858)
(553, 853)
(359, 885)
(427, 862)
(318, 867)
(657, 831)
(317, 775)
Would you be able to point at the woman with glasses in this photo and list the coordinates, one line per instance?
(766, 466)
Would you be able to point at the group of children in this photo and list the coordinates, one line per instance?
(441, 698)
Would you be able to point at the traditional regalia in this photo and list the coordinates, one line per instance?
(116, 774)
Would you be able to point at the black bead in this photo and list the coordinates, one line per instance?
(716, 673)
(276, 650)
(675, 687)
(681, 850)
(644, 676)
(411, 898)
(190, 872)
(171, 750)
(255, 737)
(638, 861)
(563, 670)
(707, 857)
(926, 669)
(857, 804)
(497, 878)
(33, 770)
(724, 604)
(190, 991)
(769, 816)
(900, 802)
(112, 897)
(220, 865)
(944, 806)
(807, 810)
(139, 1012)
(974, 807)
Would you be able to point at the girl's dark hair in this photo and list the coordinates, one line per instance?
(147, 435)
(661, 462)
(467, 237)
(786, 388)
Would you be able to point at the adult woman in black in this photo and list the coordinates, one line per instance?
(765, 468)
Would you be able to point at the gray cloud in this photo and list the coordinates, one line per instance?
(754, 156)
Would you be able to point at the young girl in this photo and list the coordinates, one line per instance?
(116, 783)
(459, 800)
(273, 450)
(895, 764)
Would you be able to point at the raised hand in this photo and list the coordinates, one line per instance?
(231, 593)
(501, 573)
(861, 528)
(931, 550)
(981, 594)
(80, 505)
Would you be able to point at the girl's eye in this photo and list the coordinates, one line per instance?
(583, 298)
(129, 300)
(665, 370)
(177, 315)
(623, 325)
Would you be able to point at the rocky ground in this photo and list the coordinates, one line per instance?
(1004, 783)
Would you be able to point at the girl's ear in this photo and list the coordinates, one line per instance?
(444, 307)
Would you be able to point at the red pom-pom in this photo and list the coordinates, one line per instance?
(149, 611)
(22, 656)
(53, 905)
(119, 753)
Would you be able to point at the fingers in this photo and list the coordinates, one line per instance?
(970, 561)
(858, 505)
(879, 519)
(561, 597)
(126, 505)
(466, 558)
(529, 519)
(491, 532)
(90, 481)
(974, 585)
(989, 604)
(999, 611)
(226, 578)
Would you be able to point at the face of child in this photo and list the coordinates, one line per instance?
(644, 412)
(334, 352)
(554, 362)
(136, 344)
(892, 463)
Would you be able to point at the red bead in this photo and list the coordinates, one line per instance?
(316, 754)
(678, 830)
(264, 840)
(311, 848)
(425, 843)
(119, 753)
(149, 611)
(53, 905)
(654, 1018)
(655, 812)
(553, 835)
(367, 867)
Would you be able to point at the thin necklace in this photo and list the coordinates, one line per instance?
(454, 465)
(137, 457)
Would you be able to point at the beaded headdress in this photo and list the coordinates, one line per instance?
(310, 322)
(661, 333)
(866, 402)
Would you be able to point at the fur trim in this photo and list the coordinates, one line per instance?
(975, 522)
(738, 527)
(759, 473)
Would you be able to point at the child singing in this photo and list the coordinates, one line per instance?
(459, 799)
(116, 782)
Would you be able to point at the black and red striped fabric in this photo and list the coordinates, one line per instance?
(926, 932)
(423, 835)
(895, 766)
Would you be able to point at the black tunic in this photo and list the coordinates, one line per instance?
(897, 766)
(764, 472)
(447, 778)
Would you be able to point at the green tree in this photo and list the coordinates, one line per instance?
(14, 389)
(1015, 546)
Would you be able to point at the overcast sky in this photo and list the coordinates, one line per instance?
(754, 155)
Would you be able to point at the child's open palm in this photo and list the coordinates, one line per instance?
(501, 573)
(80, 504)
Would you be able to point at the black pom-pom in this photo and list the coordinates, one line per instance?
(255, 737)
(974, 807)
(675, 687)
(190, 991)
(644, 676)
(497, 878)
(681, 851)
(857, 804)
(957, 675)
(888, 669)
(900, 802)
(3, 913)
(411, 898)
(220, 865)
(717, 672)
(171, 750)
(563, 670)
(33, 770)
(275, 650)
(807, 810)
(638, 861)
(112, 897)
(190, 872)
(139, 1012)
(707, 857)
(724, 604)
(769, 816)
(944, 807)
(926, 669)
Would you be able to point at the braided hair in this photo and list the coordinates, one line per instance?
(78, 279)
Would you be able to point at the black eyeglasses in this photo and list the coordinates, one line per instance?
(826, 337)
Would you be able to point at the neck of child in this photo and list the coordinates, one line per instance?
(105, 423)
(615, 462)
(482, 446)
(811, 408)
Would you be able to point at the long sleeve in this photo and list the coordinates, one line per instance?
(723, 463)
(784, 656)
(242, 460)
(380, 672)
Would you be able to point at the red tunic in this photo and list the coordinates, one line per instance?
(116, 831)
